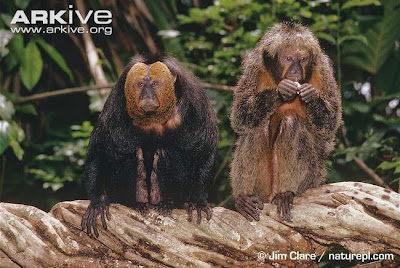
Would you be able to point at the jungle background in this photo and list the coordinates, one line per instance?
(53, 86)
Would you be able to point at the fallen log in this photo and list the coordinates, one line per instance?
(360, 217)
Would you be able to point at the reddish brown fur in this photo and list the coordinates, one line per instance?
(265, 81)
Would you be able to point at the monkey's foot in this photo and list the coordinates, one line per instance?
(284, 204)
(165, 208)
(199, 208)
(101, 207)
(249, 206)
(143, 208)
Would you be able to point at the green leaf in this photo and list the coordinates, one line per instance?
(389, 165)
(56, 56)
(359, 37)
(349, 152)
(26, 109)
(22, 4)
(32, 66)
(16, 47)
(397, 170)
(359, 107)
(15, 57)
(306, 13)
(7, 19)
(16, 135)
(360, 3)
(16, 132)
(4, 135)
(18, 151)
(350, 155)
(326, 37)
(385, 165)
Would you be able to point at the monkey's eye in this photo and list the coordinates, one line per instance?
(155, 84)
(304, 58)
(288, 58)
(140, 84)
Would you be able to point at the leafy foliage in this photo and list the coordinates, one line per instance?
(65, 161)
(381, 37)
(10, 133)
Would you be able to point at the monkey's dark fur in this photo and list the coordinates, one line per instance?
(186, 153)
(296, 136)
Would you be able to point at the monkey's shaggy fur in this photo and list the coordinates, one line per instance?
(308, 135)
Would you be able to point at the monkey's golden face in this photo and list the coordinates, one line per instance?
(295, 64)
(150, 93)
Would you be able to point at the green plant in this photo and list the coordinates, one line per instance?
(64, 160)
(11, 135)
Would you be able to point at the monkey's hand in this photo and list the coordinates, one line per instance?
(249, 206)
(308, 93)
(284, 203)
(199, 208)
(165, 207)
(94, 209)
(287, 89)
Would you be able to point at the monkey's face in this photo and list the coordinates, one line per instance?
(295, 64)
(150, 93)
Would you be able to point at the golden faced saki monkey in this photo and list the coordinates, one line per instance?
(154, 144)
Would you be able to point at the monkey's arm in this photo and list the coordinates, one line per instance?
(95, 179)
(324, 110)
(199, 194)
(201, 147)
(251, 108)
(324, 113)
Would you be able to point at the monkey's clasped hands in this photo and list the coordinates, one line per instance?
(289, 90)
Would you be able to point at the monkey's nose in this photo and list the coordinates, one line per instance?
(149, 105)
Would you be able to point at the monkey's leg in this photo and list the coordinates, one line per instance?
(249, 206)
(155, 191)
(142, 196)
(283, 200)
(274, 164)
(197, 199)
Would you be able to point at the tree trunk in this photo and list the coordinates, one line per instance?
(357, 216)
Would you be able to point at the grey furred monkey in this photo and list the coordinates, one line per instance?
(286, 111)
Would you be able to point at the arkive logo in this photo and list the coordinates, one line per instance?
(56, 21)
(51, 16)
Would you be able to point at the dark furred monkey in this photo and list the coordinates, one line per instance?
(154, 143)
(286, 110)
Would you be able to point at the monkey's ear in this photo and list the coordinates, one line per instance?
(174, 76)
